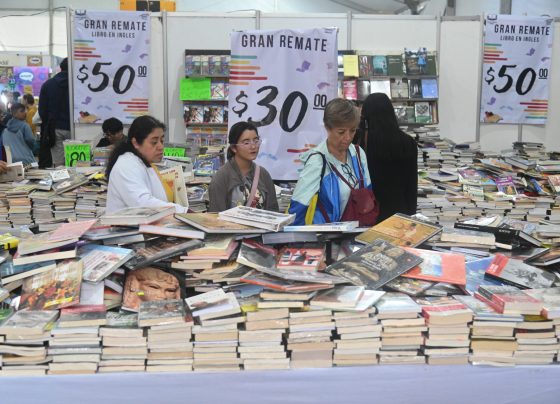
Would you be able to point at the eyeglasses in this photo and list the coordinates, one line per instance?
(248, 143)
(350, 175)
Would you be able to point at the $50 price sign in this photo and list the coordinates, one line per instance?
(281, 81)
(516, 71)
(111, 58)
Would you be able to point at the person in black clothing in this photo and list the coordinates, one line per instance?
(54, 110)
(112, 133)
(392, 158)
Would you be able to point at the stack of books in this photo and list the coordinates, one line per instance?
(310, 338)
(403, 328)
(260, 344)
(77, 333)
(124, 344)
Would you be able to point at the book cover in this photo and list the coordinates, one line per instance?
(304, 276)
(149, 284)
(438, 267)
(10, 272)
(401, 230)
(224, 65)
(550, 298)
(204, 65)
(324, 227)
(158, 312)
(284, 285)
(429, 88)
(431, 65)
(468, 237)
(42, 242)
(29, 322)
(423, 112)
(213, 114)
(554, 181)
(100, 260)
(471, 176)
(170, 226)
(350, 65)
(217, 90)
(379, 63)
(175, 180)
(475, 271)
(364, 89)
(412, 287)
(350, 89)
(105, 232)
(55, 289)
(506, 185)
(206, 165)
(518, 273)
(214, 65)
(256, 255)
(509, 299)
(211, 223)
(374, 265)
(397, 303)
(300, 258)
(163, 248)
(381, 86)
(82, 315)
(415, 88)
(264, 219)
(399, 88)
(74, 181)
(72, 230)
(395, 65)
(193, 113)
(122, 319)
(216, 303)
(483, 311)
(339, 297)
(365, 66)
(136, 216)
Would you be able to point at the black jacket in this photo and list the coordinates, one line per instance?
(54, 101)
(394, 175)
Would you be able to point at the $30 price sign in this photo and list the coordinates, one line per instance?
(281, 81)
(111, 59)
(516, 71)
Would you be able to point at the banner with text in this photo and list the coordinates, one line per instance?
(516, 70)
(281, 81)
(111, 58)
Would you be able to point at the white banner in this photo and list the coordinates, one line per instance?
(516, 70)
(281, 81)
(111, 57)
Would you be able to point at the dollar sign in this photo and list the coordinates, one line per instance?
(238, 99)
(83, 76)
(489, 76)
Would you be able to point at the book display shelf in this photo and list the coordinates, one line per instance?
(409, 79)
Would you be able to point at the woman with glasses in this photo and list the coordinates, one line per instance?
(392, 156)
(234, 184)
(332, 169)
(134, 182)
(112, 133)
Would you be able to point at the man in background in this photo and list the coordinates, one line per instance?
(54, 110)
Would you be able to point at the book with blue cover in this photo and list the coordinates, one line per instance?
(10, 272)
(475, 275)
(429, 88)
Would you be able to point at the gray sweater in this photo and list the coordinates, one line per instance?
(229, 181)
(18, 137)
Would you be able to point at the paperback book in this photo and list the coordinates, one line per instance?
(136, 216)
(172, 227)
(438, 267)
(55, 289)
(374, 265)
(262, 219)
(516, 272)
(300, 258)
(256, 255)
(158, 312)
(100, 260)
(160, 249)
(210, 223)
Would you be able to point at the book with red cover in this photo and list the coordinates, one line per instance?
(444, 310)
(300, 258)
(438, 267)
(508, 299)
(517, 273)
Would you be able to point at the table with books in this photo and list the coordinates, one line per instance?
(302, 311)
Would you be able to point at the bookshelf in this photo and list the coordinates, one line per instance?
(409, 79)
(206, 118)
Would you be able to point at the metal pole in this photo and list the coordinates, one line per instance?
(505, 6)
(165, 74)
(479, 86)
(349, 30)
(70, 38)
(257, 19)
(438, 42)
(51, 36)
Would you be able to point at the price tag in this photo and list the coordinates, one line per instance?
(193, 89)
(516, 70)
(281, 82)
(174, 151)
(111, 59)
(74, 152)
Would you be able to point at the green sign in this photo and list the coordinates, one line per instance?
(194, 89)
(174, 151)
(75, 152)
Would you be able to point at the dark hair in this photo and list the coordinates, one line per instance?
(340, 112)
(235, 133)
(17, 107)
(383, 132)
(140, 128)
(64, 65)
(29, 98)
(112, 126)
